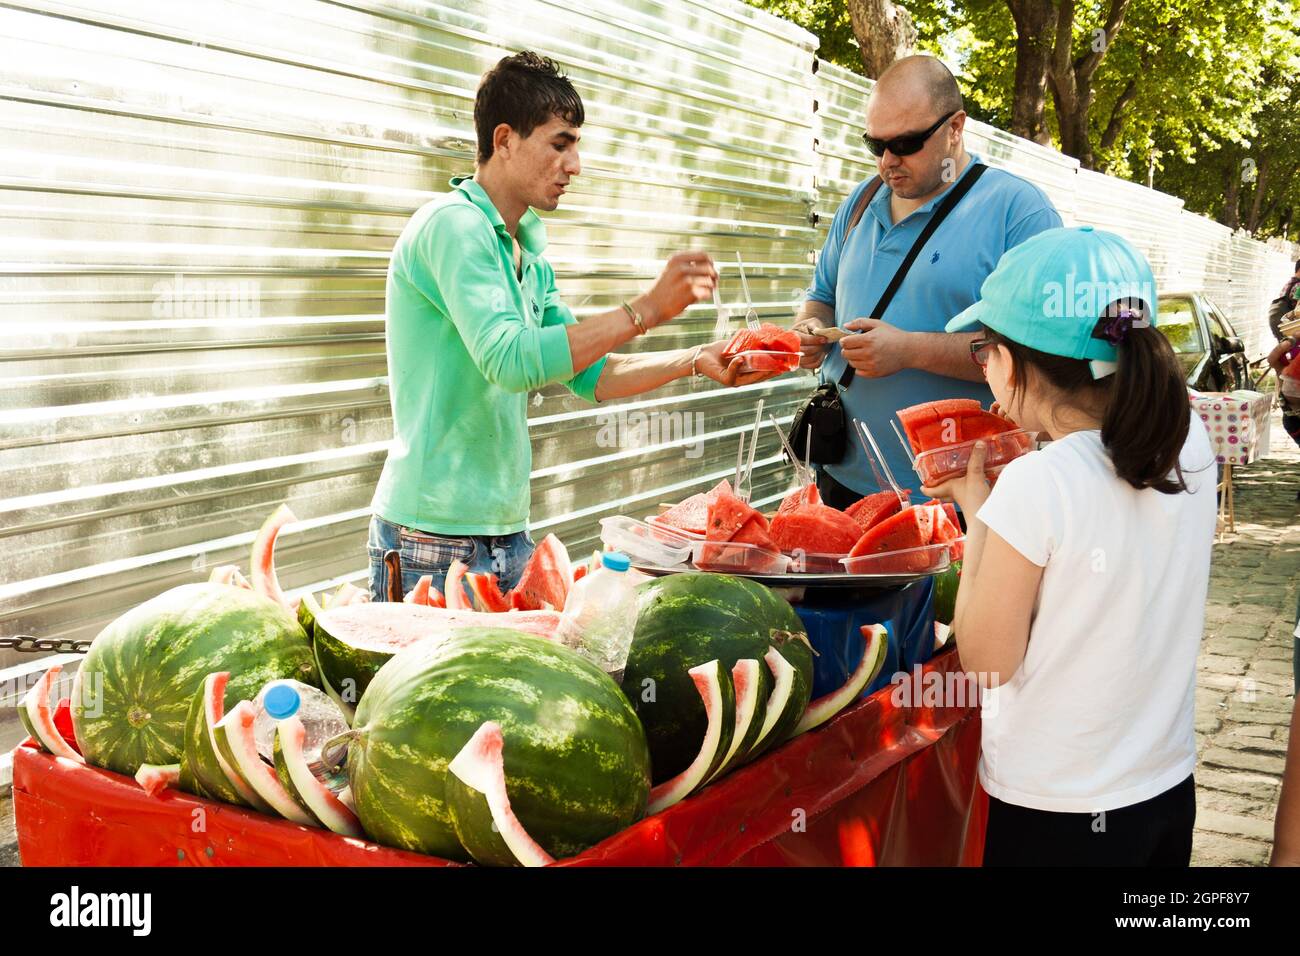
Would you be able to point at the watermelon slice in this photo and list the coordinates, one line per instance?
(453, 590)
(875, 508)
(263, 561)
(754, 531)
(783, 674)
(420, 593)
(304, 786)
(487, 593)
(715, 689)
(746, 680)
(807, 495)
(481, 768)
(37, 719)
(815, 529)
(946, 529)
(911, 528)
(152, 778)
(690, 515)
(347, 593)
(949, 422)
(545, 579)
(765, 338)
(876, 642)
(238, 750)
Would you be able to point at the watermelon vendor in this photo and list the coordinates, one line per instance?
(474, 322)
(903, 357)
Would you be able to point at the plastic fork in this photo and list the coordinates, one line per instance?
(874, 454)
(745, 487)
(751, 317)
(800, 475)
(907, 449)
(740, 464)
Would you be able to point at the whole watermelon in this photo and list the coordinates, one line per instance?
(684, 620)
(945, 593)
(576, 764)
(134, 689)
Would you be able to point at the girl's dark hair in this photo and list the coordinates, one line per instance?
(1147, 413)
(523, 91)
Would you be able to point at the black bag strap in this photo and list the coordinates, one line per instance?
(954, 196)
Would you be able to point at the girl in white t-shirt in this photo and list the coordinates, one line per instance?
(1082, 596)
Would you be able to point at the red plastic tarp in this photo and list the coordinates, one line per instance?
(881, 784)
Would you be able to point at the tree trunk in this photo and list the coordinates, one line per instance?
(884, 32)
(1071, 78)
(1257, 201)
(1035, 23)
(1231, 216)
(1117, 114)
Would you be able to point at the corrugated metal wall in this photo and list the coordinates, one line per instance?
(199, 201)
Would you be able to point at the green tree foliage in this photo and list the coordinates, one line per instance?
(1201, 96)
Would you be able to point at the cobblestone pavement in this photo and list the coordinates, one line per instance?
(1245, 688)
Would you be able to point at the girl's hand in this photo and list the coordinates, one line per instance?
(970, 490)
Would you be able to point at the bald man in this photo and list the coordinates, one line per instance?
(915, 123)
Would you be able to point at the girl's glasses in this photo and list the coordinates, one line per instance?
(979, 353)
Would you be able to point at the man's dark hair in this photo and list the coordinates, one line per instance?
(523, 91)
(1297, 265)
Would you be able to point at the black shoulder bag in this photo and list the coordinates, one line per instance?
(823, 413)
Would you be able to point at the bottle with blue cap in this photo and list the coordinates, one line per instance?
(282, 699)
(601, 613)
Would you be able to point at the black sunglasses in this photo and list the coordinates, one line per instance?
(904, 145)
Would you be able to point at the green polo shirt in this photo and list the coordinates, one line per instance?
(467, 340)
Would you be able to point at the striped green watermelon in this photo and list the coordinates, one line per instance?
(685, 620)
(133, 691)
(576, 762)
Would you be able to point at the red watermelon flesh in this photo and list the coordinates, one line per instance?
(873, 509)
(910, 528)
(765, 338)
(807, 495)
(754, 531)
(984, 425)
(727, 515)
(935, 424)
(691, 515)
(545, 579)
(815, 529)
(947, 530)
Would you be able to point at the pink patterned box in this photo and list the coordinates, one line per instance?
(1238, 423)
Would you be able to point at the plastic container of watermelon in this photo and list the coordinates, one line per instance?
(808, 562)
(738, 558)
(756, 360)
(939, 464)
(643, 542)
(672, 533)
(930, 559)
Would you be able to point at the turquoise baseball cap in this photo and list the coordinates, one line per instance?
(1051, 292)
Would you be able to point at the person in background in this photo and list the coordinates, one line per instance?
(1287, 304)
(475, 322)
(1082, 598)
(915, 124)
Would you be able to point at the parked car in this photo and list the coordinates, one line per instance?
(1211, 353)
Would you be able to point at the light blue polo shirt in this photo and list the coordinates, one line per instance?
(1001, 211)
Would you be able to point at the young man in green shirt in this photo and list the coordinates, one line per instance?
(474, 322)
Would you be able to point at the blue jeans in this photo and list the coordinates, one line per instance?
(424, 553)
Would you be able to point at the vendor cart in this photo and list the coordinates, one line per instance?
(892, 780)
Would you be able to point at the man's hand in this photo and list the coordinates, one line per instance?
(880, 349)
(687, 278)
(711, 364)
(812, 347)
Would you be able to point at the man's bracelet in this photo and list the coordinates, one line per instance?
(636, 319)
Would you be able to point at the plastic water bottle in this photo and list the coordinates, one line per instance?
(281, 699)
(602, 613)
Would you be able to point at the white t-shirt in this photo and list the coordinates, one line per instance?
(1100, 714)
